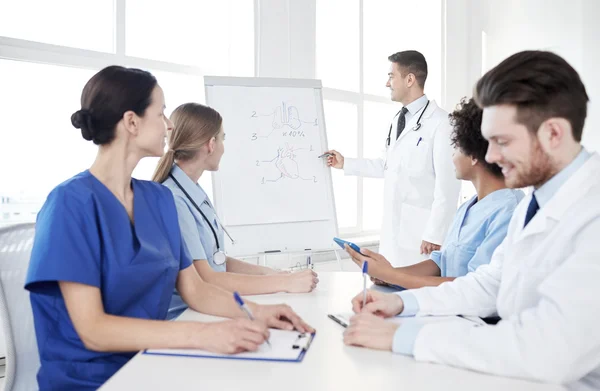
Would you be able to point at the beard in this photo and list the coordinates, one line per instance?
(538, 172)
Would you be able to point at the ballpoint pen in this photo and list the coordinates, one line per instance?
(365, 270)
(327, 154)
(244, 307)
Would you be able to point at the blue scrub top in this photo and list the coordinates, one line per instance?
(84, 235)
(197, 235)
(478, 228)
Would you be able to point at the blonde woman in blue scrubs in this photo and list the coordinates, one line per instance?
(196, 145)
(108, 252)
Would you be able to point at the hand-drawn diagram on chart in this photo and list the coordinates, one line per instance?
(274, 136)
(288, 166)
(285, 118)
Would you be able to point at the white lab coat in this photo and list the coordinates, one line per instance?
(420, 188)
(544, 282)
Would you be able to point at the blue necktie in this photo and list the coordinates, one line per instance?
(531, 210)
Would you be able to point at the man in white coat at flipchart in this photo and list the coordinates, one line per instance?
(420, 188)
(543, 280)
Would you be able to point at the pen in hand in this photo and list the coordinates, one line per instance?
(327, 154)
(365, 270)
(244, 307)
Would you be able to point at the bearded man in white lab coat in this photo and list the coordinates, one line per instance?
(543, 280)
(420, 189)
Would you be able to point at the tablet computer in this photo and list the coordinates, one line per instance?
(342, 242)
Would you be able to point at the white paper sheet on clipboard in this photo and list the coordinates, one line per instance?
(288, 346)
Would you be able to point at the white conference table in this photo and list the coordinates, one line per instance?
(328, 364)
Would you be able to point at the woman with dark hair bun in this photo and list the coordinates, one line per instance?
(108, 252)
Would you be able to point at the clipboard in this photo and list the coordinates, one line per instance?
(286, 346)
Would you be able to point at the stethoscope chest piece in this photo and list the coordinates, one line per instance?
(219, 257)
(414, 128)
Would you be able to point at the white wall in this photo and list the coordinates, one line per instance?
(286, 38)
(568, 27)
(463, 49)
(590, 60)
(514, 25)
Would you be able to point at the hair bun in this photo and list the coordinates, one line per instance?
(82, 119)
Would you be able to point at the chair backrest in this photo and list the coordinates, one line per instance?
(22, 359)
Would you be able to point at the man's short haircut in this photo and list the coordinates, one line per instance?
(541, 85)
(411, 61)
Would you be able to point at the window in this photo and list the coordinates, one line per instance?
(393, 26)
(337, 43)
(80, 24)
(46, 59)
(217, 36)
(353, 41)
(377, 118)
(343, 115)
(38, 129)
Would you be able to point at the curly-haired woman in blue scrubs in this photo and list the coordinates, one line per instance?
(480, 224)
(108, 252)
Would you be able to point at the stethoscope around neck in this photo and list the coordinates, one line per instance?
(219, 256)
(414, 129)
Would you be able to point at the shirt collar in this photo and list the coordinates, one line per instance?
(548, 189)
(416, 105)
(193, 189)
(496, 196)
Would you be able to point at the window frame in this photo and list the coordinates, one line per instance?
(358, 98)
(52, 54)
(26, 51)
